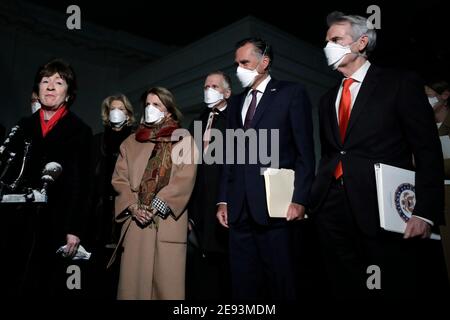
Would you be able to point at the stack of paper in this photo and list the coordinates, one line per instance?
(279, 190)
(445, 143)
(81, 254)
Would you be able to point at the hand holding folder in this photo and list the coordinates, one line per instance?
(279, 190)
(396, 197)
(445, 144)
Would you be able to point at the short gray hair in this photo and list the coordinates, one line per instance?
(226, 82)
(360, 26)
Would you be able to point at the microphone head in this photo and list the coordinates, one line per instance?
(47, 178)
(52, 169)
(13, 131)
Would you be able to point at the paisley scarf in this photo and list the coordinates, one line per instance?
(157, 172)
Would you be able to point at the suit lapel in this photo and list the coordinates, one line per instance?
(333, 116)
(265, 101)
(241, 105)
(367, 87)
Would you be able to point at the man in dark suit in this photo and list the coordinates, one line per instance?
(374, 116)
(207, 276)
(261, 248)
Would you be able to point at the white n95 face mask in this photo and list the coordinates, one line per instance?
(246, 77)
(335, 53)
(433, 101)
(212, 97)
(117, 118)
(152, 114)
(35, 106)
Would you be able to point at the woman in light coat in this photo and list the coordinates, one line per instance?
(154, 177)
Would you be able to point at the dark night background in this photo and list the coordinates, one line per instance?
(413, 35)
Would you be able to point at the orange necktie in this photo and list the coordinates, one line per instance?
(344, 116)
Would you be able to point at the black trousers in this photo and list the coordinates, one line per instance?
(262, 260)
(407, 268)
(207, 275)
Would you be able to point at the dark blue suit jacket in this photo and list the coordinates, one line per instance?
(284, 106)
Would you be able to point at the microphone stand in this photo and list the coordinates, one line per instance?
(51, 171)
(16, 182)
(7, 141)
(5, 170)
(24, 280)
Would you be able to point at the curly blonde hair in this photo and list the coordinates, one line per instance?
(106, 105)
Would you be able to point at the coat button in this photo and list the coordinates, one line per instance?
(343, 152)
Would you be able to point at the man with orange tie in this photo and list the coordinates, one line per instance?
(374, 116)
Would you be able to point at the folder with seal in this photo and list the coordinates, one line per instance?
(396, 197)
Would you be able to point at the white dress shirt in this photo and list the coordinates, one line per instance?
(358, 76)
(261, 88)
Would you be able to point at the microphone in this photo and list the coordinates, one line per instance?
(7, 141)
(17, 182)
(51, 172)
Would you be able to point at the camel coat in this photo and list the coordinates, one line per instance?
(153, 260)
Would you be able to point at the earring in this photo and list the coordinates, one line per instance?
(67, 99)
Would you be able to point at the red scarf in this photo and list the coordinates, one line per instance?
(159, 166)
(155, 133)
(46, 126)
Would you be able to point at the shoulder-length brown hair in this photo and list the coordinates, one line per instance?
(106, 105)
(166, 98)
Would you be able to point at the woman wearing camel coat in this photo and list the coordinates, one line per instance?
(154, 246)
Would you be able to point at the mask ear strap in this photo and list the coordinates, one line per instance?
(265, 50)
(262, 56)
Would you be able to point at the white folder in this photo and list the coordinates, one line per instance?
(445, 144)
(279, 190)
(396, 197)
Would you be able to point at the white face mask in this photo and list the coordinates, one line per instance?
(433, 101)
(153, 114)
(35, 106)
(246, 76)
(336, 53)
(117, 118)
(212, 97)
